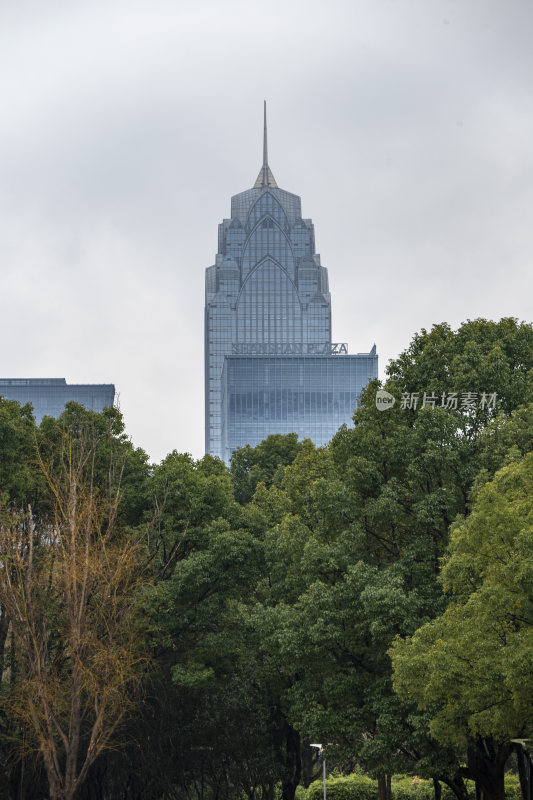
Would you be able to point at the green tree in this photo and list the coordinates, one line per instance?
(506, 438)
(184, 496)
(481, 356)
(263, 463)
(17, 452)
(379, 507)
(207, 714)
(18, 487)
(352, 558)
(472, 666)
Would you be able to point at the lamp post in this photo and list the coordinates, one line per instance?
(321, 753)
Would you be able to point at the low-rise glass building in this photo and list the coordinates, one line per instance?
(49, 396)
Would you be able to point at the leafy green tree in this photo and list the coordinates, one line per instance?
(18, 487)
(262, 464)
(206, 648)
(380, 503)
(352, 560)
(207, 714)
(185, 496)
(505, 438)
(17, 452)
(471, 667)
(481, 356)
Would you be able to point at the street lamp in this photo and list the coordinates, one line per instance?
(321, 753)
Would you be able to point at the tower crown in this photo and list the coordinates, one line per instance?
(265, 177)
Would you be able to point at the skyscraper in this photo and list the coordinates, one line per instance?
(270, 364)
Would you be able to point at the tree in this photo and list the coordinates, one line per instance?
(480, 356)
(69, 584)
(117, 466)
(18, 487)
(263, 463)
(206, 716)
(185, 496)
(17, 442)
(372, 522)
(472, 666)
(352, 559)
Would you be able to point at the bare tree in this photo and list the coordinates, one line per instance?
(69, 585)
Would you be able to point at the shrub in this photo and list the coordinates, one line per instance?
(344, 787)
(404, 787)
(408, 787)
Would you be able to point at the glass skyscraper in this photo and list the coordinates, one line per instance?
(270, 364)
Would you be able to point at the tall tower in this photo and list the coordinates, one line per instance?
(266, 295)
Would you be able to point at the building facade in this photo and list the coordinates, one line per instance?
(48, 396)
(268, 320)
(311, 395)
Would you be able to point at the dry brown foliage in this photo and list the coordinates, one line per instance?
(69, 585)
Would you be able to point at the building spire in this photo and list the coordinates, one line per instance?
(265, 177)
(265, 146)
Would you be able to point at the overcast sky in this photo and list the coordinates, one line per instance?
(406, 126)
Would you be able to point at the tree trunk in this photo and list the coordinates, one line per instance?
(524, 772)
(292, 759)
(4, 628)
(384, 787)
(457, 786)
(437, 790)
(307, 763)
(486, 764)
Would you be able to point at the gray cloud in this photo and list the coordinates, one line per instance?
(406, 127)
